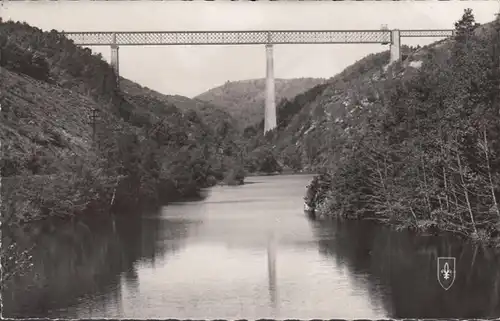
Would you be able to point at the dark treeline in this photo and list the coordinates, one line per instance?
(141, 148)
(428, 157)
(150, 144)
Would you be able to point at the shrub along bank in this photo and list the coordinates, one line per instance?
(428, 158)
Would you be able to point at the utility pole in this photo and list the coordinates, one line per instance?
(93, 120)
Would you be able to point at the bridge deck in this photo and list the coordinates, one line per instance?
(147, 38)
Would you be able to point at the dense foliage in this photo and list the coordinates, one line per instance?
(140, 147)
(425, 152)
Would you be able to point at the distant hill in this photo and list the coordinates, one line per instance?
(207, 110)
(245, 99)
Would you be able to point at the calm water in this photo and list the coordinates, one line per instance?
(247, 252)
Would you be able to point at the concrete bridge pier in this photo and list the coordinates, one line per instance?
(115, 57)
(395, 46)
(270, 107)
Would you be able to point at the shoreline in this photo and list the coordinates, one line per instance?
(285, 172)
(421, 230)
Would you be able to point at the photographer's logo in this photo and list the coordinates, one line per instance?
(446, 271)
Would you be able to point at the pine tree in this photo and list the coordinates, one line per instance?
(465, 26)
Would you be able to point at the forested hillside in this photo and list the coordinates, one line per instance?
(145, 146)
(415, 143)
(245, 99)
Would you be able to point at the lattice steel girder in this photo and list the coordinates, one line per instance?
(144, 38)
(445, 33)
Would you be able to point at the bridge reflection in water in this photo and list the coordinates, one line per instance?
(208, 259)
(271, 269)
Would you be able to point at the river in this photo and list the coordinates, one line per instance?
(247, 252)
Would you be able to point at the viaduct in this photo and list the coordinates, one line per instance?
(268, 38)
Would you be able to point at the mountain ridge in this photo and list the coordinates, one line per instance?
(245, 99)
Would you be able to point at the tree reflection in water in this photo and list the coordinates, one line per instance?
(403, 267)
(78, 260)
(91, 265)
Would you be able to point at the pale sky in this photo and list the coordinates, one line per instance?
(191, 70)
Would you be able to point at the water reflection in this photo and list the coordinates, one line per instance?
(246, 252)
(271, 269)
(74, 262)
(402, 268)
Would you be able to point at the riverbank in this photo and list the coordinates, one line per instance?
(420, 149)
(424, 228)
(283, 172)
(66, 196)
(319, 197)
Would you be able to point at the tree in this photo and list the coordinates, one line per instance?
(465, 27)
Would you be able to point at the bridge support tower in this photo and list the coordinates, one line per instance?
(395, 46)
(115, 63)
(270, 107)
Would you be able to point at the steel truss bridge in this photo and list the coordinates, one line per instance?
(263, 37)
(153, 38)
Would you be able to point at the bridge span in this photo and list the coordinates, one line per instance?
(266, 37)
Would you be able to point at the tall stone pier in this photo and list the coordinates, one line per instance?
(395, 46)
(270, 107)
(115, 63)
(114, 59)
